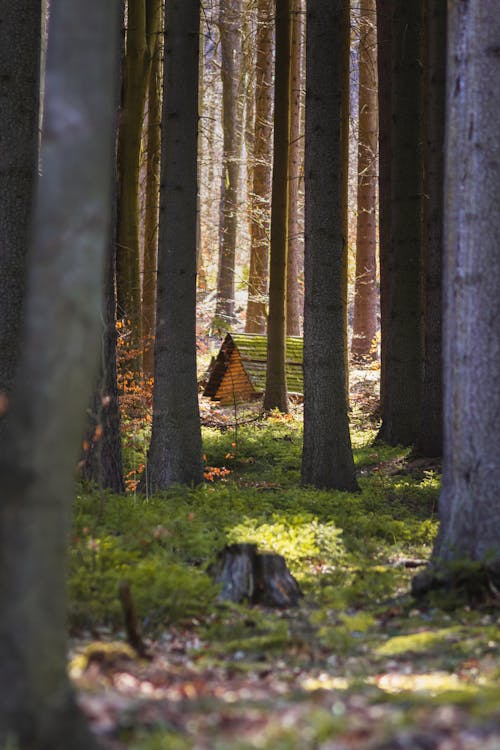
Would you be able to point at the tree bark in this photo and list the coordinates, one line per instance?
(275, 396)
(365, 294)
(327, 460)
(256, 320)
(404, 346)
(38, 455)
(19, 92)
(175, 451)
(468, 505)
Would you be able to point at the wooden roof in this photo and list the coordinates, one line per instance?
(239, 372)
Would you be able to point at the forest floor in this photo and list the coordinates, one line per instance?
(357, 665)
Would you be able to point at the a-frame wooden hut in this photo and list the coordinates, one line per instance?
(239, 371)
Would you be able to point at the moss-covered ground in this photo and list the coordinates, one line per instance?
(359, 664)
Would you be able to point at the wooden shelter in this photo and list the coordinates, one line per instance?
(239, 371)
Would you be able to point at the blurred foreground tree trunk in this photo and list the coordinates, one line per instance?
(19, 93)
(469, 501)
(175, 451)
(38, 455)
(327, 460)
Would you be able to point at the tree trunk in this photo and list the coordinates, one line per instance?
(230, 22)
(153, 136)
(275, 396)
(261, 185)
(175, 451)
(295, 260)
(19, 91)
(38, 455)
(430, 434)
(469, 502)
(327, 460)
(365, 294)
(404, 346)
(135, 67)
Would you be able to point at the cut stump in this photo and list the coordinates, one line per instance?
(257, 577)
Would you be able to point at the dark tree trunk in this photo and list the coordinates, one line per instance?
(175, 452)
(469, 501)
(430, 434)
(327, 460)
(276, 396)
(19, 93)
(71, 231)
(404, 345)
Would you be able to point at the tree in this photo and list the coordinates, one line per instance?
(38, 453)
(403, 350)
(469, 501)
(429, 440)
(19, 91)
(258, 276)
(175, 451)
(327, 460)
(365, 295)
(275, 396)
(230, 32)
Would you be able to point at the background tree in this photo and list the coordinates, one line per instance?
(365, 293)
(469, 501)
(38, 455)
(230, 34)
(404, 344)
(175, 451)
(260, 195)
(275, 396)
(295, 258)
(19, 92)
(327, 460)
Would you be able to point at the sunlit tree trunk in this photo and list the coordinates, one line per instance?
(19, 90)
(175, 452)
(230, 31)
(261, 185)
(275, 396)
(71, 232)
(327, 459)
(295, 260)
(469, 501)
(365, 294)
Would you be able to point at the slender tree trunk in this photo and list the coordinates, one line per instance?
(19, 91)
(275, 396)
(327, 460)
(365, 294)
(38, 454)
(430, 434)
(175, 451)
(261, 184)
(153, 135)
(468, 506)
(404, 349)
(295, 261)
(135, 68)
(230, 22)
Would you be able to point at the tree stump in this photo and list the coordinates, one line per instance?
(256, 577)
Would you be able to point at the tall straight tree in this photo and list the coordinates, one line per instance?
(469, 502)
(429, 440)
(19, 92)
(275, 396)
(231, 50)
(404, 344)
(60, 339)
(327, 460)
(365, 294)
(175, 452)
(260, 197)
